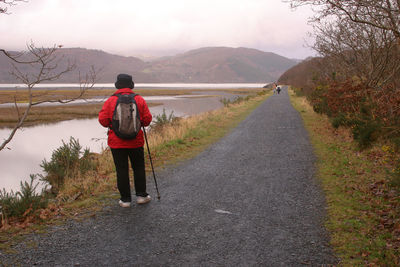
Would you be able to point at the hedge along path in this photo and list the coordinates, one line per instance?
(362, 208)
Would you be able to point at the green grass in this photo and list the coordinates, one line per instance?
(357, 215)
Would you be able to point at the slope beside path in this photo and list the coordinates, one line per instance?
(251, 199)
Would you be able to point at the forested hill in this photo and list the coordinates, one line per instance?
(208, 65)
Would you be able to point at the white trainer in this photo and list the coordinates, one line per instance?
(143, 200)
(124, 204)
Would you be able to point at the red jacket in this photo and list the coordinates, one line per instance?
(105, 117)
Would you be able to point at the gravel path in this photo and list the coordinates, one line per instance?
(249, 200)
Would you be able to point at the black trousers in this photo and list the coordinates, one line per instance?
(136, 157)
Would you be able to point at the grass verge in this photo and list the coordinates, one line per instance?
(363, 208)
(83, 195)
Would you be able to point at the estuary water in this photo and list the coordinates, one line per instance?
(140, 85)
(31, 145)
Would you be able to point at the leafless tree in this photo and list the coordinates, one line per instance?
(36, 66)
(362, 36)
(4, 4)
(359, 41)
(380, 14)
(356, 50)
(43, 66)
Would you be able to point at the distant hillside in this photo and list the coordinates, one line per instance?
(212, 65)
(303, 75)
(221, 64)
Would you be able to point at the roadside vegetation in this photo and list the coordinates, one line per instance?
(355, 80)
(81, 181)
(237, 100)
(362, 189)
(351, 105)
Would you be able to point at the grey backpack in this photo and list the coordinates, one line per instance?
(126, 119)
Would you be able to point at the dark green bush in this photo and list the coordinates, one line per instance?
(66, 161)
(299, 92)
(395, 177)
(396, 142)
(263, 92)
(225, 101)
(163, 119)
(237, 100)
(24, 202)
(340, 120)
(319, 101)
(365, 132)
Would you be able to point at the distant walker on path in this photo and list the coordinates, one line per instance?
(274, 86)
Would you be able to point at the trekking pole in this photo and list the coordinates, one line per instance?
(151, 162)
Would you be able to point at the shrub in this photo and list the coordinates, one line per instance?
(319, 101)
(371, 113)
(299, 92)
(365, 132)
(66, 161)
(162, 120)
(225, 101)
(395, 176)
(23, 203)
(238, 99)
(393, 169)
(340, 120)
(263, 92)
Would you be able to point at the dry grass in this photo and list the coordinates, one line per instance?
(93, 183)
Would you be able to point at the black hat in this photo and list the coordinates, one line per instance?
(124, 81)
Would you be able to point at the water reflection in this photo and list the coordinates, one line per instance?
(100, 100)
(31, 145)
(142, 85)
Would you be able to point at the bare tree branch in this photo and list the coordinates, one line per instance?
(379, 14)
(4, 4)
(44, 66)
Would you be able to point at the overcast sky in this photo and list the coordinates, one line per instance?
(157, 27)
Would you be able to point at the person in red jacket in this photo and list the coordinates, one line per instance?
(127, 149)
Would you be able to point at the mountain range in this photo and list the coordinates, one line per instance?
(204, 65)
